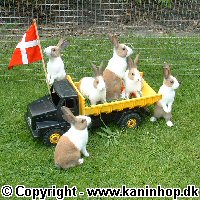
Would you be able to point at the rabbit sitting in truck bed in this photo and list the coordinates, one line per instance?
(94, 88)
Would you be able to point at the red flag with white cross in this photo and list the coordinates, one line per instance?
(28, 49)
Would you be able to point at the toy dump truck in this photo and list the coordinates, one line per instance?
(44, 116)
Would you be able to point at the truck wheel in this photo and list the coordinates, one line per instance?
(51, 137)
(131, 120)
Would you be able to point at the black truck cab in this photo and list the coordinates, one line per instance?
(44, 116)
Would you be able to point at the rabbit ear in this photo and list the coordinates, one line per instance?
(114, 40)
(62, 43)
(166, 71)
(68, 115)
(131, 64)
(136, 61)
(95, 69)
(101, 68)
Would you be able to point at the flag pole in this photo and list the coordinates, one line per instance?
(43, 62)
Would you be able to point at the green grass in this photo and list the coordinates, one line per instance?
(150, 155)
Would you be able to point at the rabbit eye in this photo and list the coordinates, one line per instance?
(172, 81)
(83, 120)
(133, 74)
(123, 48)
(53, 49)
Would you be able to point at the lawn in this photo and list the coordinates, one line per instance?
(152, 154)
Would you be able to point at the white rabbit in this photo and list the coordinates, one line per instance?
(133, 81)
(55, 65)
(116, 68)
(72, 143)
(163, 107)
(94, 88)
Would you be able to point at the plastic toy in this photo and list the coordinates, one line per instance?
(44, 116)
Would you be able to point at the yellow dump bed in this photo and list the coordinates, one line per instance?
(149, 97)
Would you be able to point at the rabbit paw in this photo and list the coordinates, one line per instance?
(81, 160)
(153, 119)
(123, 95)
(138, 94)
(103, 101)
(51, 81)
(87, 154)
(169, 123)
(167, 109)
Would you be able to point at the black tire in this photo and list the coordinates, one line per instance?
(51, 137)
(131, 120)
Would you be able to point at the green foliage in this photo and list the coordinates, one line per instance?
(111, 134)
(166, 3)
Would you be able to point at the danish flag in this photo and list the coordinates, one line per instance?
(28, 49)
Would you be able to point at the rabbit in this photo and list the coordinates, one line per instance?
(133, 81)
(163, 108)
(116, 68)
(55, 65)
(70, 145)
(94, 88)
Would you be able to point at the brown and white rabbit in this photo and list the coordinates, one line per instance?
(133, 81)
(116, 68)
(163, 108)
(55, 65)
(69, 147)
(94, 88)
